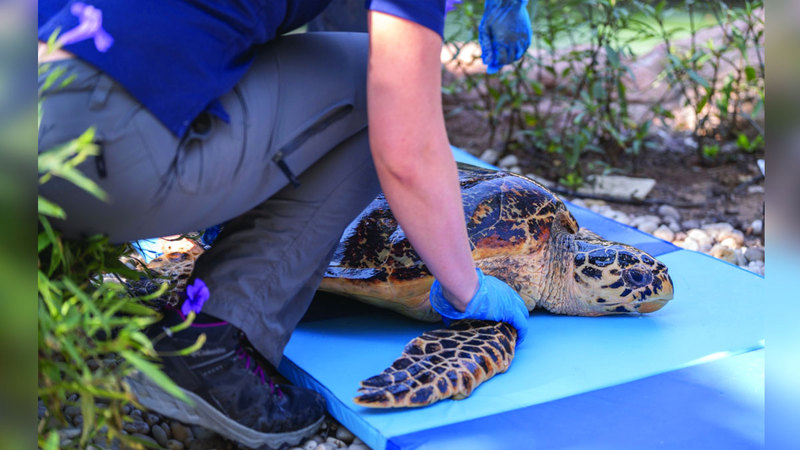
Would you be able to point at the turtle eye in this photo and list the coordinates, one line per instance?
(637, 277)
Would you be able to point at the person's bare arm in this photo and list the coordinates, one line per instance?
(412, 154)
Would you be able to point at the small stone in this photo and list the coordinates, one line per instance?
(69, 433)
(664, 232)
(731, 243)
(736, 235)
(688, 244)
(201, 432)
(647, 227)
(151, 419)
(515, 169)
(702, 238)
(166, 428)
(669, 212)
(180, 432)
(490, 155)
(126, 409)
(756, 267)
(715, 229)
(310, 444)
(72, 398)
(145, 438)
(136, 427)
(690, 142)
(358, 447)
(689, 224)
(755, 189)
(345, 435)
(646, 218)
(337, 443)
(575, 201)
(724, 253)
(674, 226)
(508, 161)
(159, 435)
(136, 412)
(72, 411)
(173, 444)
(318, 438)
(77, 420)
(757, 226)
(325, 446)
(739, 255)
(754, 254)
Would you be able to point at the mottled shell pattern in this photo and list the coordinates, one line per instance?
(519, 232)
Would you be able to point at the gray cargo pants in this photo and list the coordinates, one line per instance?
(302, 105)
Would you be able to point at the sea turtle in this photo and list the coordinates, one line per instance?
(519, 232)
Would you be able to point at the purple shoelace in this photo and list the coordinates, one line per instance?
(274, 389)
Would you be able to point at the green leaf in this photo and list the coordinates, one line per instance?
(151, 371)
(52, 442)
(697, 78)
(743, 142)
(750, 72)
(49, 208)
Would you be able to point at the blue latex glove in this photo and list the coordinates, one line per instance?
(494, 300)
(504, 32)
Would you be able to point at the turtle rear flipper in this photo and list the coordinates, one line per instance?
(442, 363)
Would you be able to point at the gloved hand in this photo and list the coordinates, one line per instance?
(494, 300)
(504, 32)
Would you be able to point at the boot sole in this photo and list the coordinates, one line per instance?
(152, 397)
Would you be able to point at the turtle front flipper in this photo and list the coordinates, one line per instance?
(442, 363)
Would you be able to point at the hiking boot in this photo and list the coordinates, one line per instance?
(230, 391)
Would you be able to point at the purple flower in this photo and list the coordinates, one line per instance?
(90, 27)
(450, 5)
(196, 295)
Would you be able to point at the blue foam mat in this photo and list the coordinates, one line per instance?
(563, 358)
(710, 318)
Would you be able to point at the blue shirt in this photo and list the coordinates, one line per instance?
(178, 57)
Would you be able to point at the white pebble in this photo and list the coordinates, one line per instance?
(730, 243)
(665, 233)
(669, 212)
(754, 254)
(702, 238)
(508, 161)
(648, 227)
(490, 155)
(515, 169)
(358, 447)
(621, 217)
(756, 267)
(688, 244)
(579, 202)
(343, 434)
(691, 223)
(337, 443)
(714, 229)
(675, 227)
(736, 235)
(647, 218)
(310, 444)
(724, 253)
(324, 446)
(739, 255)
(757, 226)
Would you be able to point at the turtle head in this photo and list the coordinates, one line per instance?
(614, 278)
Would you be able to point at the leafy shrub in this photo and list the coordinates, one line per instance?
(90, 334)
(568, 97)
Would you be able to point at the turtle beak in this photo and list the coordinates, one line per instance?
(665, 295)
